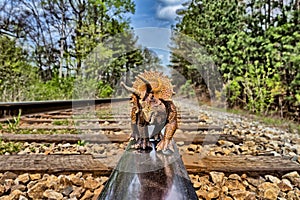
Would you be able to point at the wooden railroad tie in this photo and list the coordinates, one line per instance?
(71, 120)
(118, 128)
(102, 138)
(198, 163)
(194, 164)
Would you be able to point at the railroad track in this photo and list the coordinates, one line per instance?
(96, 124)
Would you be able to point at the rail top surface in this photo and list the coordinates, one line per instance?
(149, 175)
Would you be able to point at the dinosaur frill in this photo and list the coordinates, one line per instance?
(160, 85)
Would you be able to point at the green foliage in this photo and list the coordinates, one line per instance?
(208, 24)
(187, 89)
(255, 49)
(81, 142)
(234, 90)
(15, 71)
(9, 147)
(14, 125)
(87, 48)
(61, 122)
(69, 88)
(54, 89)
(63, 33)
(298, 99)
(43, 131)
(115, 58)
(105, 90)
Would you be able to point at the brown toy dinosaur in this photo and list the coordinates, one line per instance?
(152, 105)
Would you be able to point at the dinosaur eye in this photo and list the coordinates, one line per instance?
(152, 99)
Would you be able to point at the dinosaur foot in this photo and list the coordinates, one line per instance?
(133, 136)
(163, 145)
(157, 138)
(142, 144)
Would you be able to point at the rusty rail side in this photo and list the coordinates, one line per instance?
(8, 109)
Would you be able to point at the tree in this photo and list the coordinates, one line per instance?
(61, 33)
(254, 44)
(76, 41)
(15, 71)
(118, 58)
(207, 27)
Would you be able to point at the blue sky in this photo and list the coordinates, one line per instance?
(152, 24)
(155, 13)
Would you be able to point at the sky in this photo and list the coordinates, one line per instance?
(152, 23)
(155, 13)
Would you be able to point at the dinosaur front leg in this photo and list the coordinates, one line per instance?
(171, 127)
(135, 132)
(169, 132)
(134, 118)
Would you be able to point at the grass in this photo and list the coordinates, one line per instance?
(104, 114)
(14, 124)
(64, 122)
(10, 147)
(81, 142)
(41, 131)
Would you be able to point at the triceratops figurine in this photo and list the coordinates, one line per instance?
(152, 105)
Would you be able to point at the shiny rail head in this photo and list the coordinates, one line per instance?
(143, 161)
(149, 175)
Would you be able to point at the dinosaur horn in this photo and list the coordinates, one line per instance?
(132, 90)
(149, 87)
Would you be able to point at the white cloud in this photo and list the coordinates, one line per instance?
(171, 2)
(167, 12)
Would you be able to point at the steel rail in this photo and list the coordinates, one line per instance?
(8, 109)
(149, 175)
